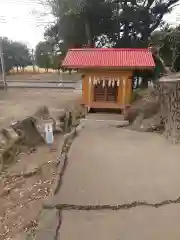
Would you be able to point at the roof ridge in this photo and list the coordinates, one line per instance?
(109, 49)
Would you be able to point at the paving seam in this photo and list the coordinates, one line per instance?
(59, 225)
(62, 162)
(111, 207)
(69, 137)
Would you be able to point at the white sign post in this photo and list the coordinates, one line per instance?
(49, 134)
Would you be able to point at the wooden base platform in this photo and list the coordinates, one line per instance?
(105, 105)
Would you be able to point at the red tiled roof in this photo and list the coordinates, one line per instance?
(108, 57)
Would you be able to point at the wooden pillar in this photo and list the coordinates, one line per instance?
(124, 89)
(90, 90)
(129, 90)
(85, 89)
(120, 91)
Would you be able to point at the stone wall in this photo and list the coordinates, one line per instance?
(159, 111)
(169, 94)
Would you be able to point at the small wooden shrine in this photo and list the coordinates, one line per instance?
(107, 74)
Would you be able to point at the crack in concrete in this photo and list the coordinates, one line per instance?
(75, 207)
(111, 207)
(69, 207)
(61, 174)
(63, 157)
(58, 226)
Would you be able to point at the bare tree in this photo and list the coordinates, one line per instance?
(174, 41)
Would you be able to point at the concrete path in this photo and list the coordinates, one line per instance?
(119, 184)
(134, 224)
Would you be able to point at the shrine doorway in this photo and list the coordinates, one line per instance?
(105, 92)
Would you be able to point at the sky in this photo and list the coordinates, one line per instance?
(26, 20)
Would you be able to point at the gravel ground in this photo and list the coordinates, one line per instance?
(21, 198)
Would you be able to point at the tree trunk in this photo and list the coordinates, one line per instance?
(88, 32)
(173, 59)
(144, 83)
(126, 34)
(145, 36)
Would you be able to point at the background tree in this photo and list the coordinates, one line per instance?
(85, 20)
(167, 40)
(16, 54)
(43, 55)
(138, 19)
(114, 23)
(125, 23)
(174, 42)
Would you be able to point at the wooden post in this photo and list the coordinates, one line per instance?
(33, 60)
(89, 93)
(124, 90)
(66, 122)
(3, 65)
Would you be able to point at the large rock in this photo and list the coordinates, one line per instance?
(154, 124)
(8, 153)
(130, 113)
(28, 131)
(8, 146)
(57, 114)
(42, 112)
(147, 107)
(10, 134)
(3, 142)
(49, 221)
(150, 108)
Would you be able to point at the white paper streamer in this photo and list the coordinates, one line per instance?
(113, 83)
(104, 84)
(118, 82)
(90, 79)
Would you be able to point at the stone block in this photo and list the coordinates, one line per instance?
(10, 134)
(47, 225)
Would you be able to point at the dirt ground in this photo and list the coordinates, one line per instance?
(45, 76)
(21, 197)
(19, 103)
